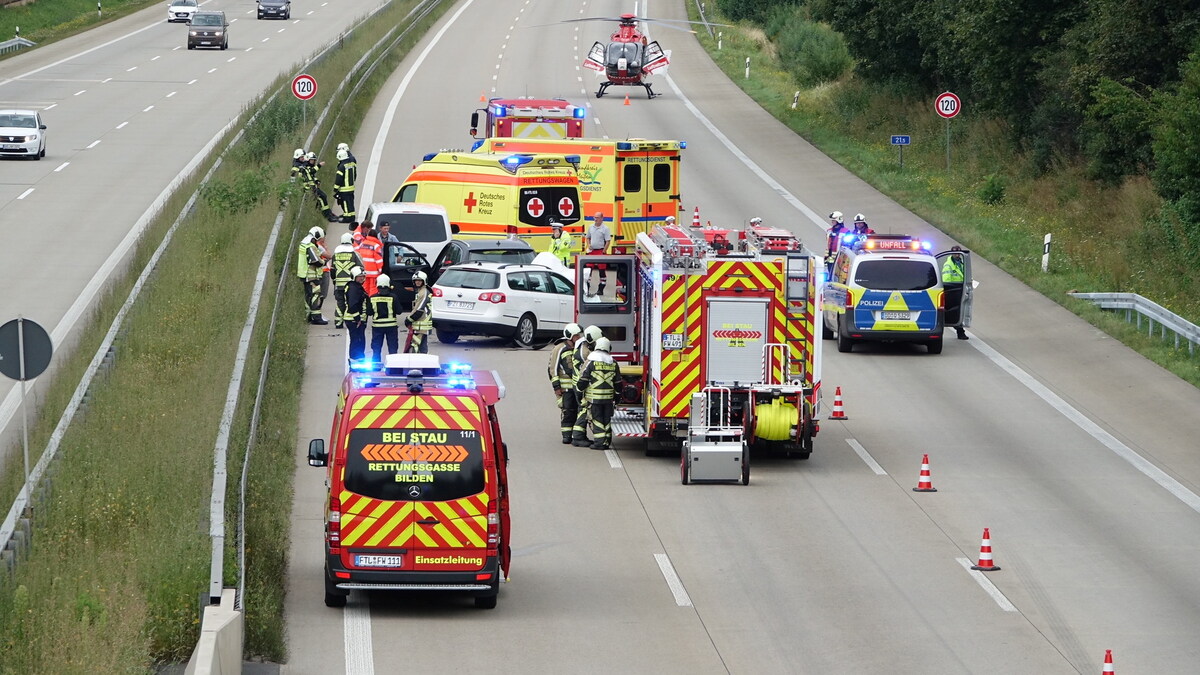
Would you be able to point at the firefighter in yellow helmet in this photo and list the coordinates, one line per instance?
(599, 380)
(420, 319)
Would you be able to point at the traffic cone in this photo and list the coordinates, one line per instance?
(482, 98)
(985, 554)
(1108, 664)
(626, 99)
(924, 482)
(696, 217)
(838, 413)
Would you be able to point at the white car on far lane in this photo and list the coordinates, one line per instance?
(181, 10)
(529, 303)
(22, 134)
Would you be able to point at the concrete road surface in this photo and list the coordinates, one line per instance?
(1078, 454)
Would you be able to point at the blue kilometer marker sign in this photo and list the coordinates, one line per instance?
(901, 140)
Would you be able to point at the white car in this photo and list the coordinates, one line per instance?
(22, 134)
(181, 10)
(528, 303)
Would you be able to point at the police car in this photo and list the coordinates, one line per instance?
(890, 288)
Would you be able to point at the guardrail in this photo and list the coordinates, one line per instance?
(1154, 313)
(15, 44)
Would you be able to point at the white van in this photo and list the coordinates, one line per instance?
(425, 227)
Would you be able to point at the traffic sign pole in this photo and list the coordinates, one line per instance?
(947, 144)
(948, 105)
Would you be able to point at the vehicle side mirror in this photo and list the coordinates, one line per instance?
(42, 127)
(316, 452)
(475, 119)
(454, 228)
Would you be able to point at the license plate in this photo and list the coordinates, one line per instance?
(10, 147)
(895, 316)
(378, 560)
(453, 304)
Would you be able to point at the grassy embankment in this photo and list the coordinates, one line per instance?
(120, 548)
(45, 21)
(992, 200)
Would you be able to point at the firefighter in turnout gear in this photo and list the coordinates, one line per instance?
(310, 268)
(420, 319)
(382, 309)
(598, 379)
(583, 349)
(344, 260)
(322, 201)
(344, 179)
(562, 378)
(308, 170)
(298, 163)
(357, 306)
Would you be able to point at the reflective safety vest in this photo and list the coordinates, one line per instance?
(344, 260)
(952, 271)
(383, 309)
(346, 176)
(562, 366)
(356, 302)
(579, 357)
(308, 262)
(561, 247)
(422, 314)
(599, 377)
(308, 175)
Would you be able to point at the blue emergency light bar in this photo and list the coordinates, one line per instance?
(580, 113)
(683, 145)
(571, 159)
(499, 111)
(513, 161)
(363, 366)
(895, 244)
(429, 157)
(460, 383)
(457, 368)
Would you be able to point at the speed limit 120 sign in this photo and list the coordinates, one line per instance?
(947, 105)
(304, 87)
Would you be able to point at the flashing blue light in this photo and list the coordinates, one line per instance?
(682, 145)
(513, 161)
(458, 368)
(849, 238)
(926, 245)
(572, 159)
(363, 366)
(476, 144)
(624, 145)
(580, 113)
(428, 157)
(500, 111)
(461, 383)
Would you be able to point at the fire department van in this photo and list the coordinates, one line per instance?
(530, 118)
(888, 288)
(491, 196)
(634, 183)
(417, 479)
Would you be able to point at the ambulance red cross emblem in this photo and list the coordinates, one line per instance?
(535, 207)
(566, 207)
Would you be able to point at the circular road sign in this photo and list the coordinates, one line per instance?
(304, 86)
(22, 340)
(947, 104)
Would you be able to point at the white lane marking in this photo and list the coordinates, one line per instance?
(324, 3)
(150, 107)
(213, 70)
(614, 460)
(987, 585)
(74, 56)
(93, 144)
(356, 626)
(280, 30)
(673, 581)
(122, 125)
(235, 20)
(266, 39)
(296, 21)
(80, 92)
(866, 457)
(193, 82)
(172, 94)
(175, 49)
(107, 79)
(495, 77)
(130, 70)
(61, 167)
(231, 59)
(381, 137)
(249, 49)
(50, 106)
(310, 12)
(25, 193)
(156, 58)
(1083, 422)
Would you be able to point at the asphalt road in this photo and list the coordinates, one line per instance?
(1078, 454)
(129, 110)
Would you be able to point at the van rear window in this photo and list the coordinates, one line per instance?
(414, 465)
(469, 278)
(896, 275)
(408, 227)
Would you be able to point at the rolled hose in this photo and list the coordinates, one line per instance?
(773, 421)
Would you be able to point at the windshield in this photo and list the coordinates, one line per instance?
(402, 465)
(469, 278)
(207, 20)
(18, 121)
(408, 227)
(896, 275)
(502, 255)
(183, 3)
(632, 53)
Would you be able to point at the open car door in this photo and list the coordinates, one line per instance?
(656, 59)
(959, 295)
(595, 58)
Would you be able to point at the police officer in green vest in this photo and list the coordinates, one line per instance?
(382, 310)
(310, 268)
(562, 378)
(420, 319)
(344, 179)
(599, 380)
(953, 278)
(560, 244)
(344, 259)
(583, 350)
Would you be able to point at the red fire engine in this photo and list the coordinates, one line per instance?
(530, 118)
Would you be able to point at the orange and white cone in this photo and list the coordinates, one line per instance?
(482, 98)
(1108, 664)
(627, 99)
(838, 412)
(696, 217)
(924, 481)
(986, 564)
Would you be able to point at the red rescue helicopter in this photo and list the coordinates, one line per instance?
(630, 58)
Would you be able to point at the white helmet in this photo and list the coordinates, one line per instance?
(298, 153)
(317, 233)
(347, 238)
(357, 271)
(836, 216)
(860, 218)
(311, 155)
(670, 219)
(571, 330)
(592, 334)
(344, 146)
(603, 345)
(383, 281)
(420, 275)
(756, 221)
(342, 154)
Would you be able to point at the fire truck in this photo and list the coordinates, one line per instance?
(716, 335)
(530, 118)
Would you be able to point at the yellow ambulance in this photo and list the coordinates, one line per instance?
(496, 195)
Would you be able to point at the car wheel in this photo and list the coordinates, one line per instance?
(826, 331)
(935, 346)
(526, 330)
(191, 46)
(446, 337)
(225, 45)
(845, 344)
(746, 468)
(334, 596)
